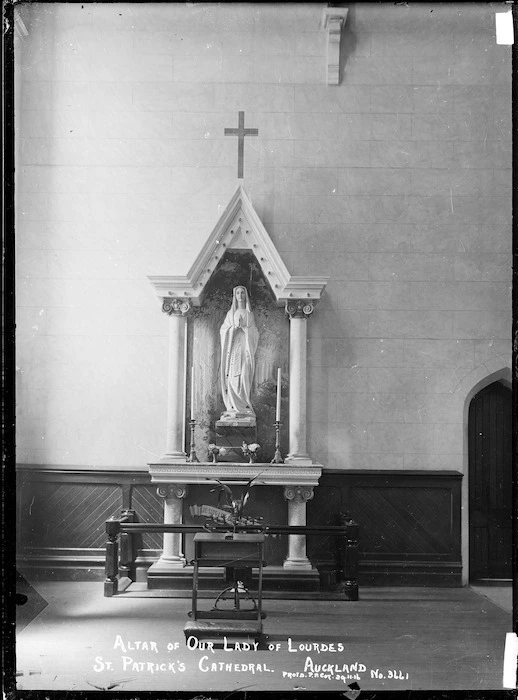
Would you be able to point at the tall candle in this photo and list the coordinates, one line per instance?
(278, 410)
(192, 392)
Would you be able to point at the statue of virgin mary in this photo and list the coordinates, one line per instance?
(239, 338)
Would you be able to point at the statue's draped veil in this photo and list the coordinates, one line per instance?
(236, 394)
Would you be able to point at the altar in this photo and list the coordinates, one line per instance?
(237, 391)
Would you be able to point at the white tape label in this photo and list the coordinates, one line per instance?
(510, 660)
(504, 28)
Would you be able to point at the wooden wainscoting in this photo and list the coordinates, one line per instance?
(61, 515)
(409, 524)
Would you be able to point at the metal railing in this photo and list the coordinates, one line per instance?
(120, 550)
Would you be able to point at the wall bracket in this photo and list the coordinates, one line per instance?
(333, 20)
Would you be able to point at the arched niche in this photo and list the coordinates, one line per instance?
(238, 267)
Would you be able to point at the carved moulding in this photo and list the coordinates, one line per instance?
(267, 474)
(238, 228)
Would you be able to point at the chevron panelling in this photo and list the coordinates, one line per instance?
(409, 522)
(70, 515)
(149, 508)
(403, 520)
(400, 515)
(323, 510)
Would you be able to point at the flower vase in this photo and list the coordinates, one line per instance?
(252, 459)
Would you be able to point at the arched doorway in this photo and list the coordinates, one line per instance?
(490, 483)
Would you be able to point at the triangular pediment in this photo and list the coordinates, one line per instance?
(239, 227)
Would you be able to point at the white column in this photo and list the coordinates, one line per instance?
(299, 312)
(297, 497)
(172, 556)
(177, 310)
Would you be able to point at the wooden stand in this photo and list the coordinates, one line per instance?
(239, 553)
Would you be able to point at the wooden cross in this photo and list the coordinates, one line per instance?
(241, 132)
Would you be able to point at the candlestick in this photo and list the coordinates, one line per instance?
(192, 457)
(278, 407)
(277, 457)
(192, 392)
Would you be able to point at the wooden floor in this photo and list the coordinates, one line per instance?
(391, 639)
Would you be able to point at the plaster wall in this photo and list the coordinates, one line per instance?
(396, 184)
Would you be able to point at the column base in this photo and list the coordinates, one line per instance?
(299, 460)
(165, 566)
(174, 458)
(297, 564)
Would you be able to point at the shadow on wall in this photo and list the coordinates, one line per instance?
(347, 42)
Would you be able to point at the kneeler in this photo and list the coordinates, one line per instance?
(238, 554)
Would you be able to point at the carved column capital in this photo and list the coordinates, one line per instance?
(300, 494)
(172, 490)
(174, 306)
(300, 308)
(179, 490)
